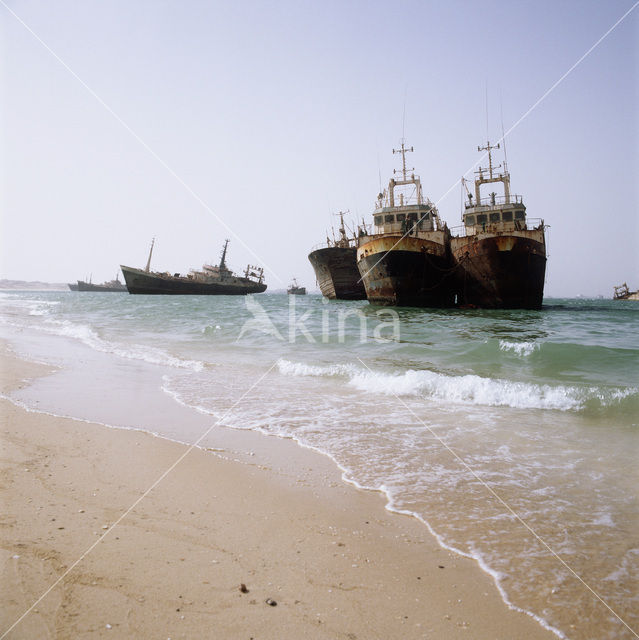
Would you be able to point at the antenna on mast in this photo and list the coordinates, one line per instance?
(403, 151)
(489, 148)
(503, 135)
(404, 113)
(487, 132)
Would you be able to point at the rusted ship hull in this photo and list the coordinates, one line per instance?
(337, 274)
(143, 282)
(409, 272)
(500, 272)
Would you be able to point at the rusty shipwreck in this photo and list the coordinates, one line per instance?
(335, 266)
(406, 261)
(499, 252)
(211, 280)
(112, 286)
(622, 292)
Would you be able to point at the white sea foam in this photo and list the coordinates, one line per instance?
(464, 389)
(33, 307)
(470, 389)
(288, 368)
(522, 349)
(42, 307)
(88, 336)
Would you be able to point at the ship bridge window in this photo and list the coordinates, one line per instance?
(494, 217)
(520, 215)
(470, 220)
(389, 218)
(412, 217)
(401, 217)
(426, 216)
(378, 220)
(482, 218)
(507, 216)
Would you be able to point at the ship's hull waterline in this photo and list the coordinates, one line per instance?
(408, 272)
(142, 282)
(501, 271)
(337, 273)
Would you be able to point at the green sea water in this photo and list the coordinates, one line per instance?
(512, 435)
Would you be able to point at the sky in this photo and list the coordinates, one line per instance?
(191, 122)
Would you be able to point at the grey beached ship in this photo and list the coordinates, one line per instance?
(335, 266)
(212, 280)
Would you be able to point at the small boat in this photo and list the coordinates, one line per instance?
(214, 280)
(622, 292)
(295, 290)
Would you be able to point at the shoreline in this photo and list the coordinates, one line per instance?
(338, 563)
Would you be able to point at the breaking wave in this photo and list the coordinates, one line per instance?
(466, 389)
(522, 349)
(288, 368)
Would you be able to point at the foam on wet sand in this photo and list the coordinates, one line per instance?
(335, 562)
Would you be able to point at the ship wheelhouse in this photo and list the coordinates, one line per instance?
(410, 219)
(495, 216)
(496, 213)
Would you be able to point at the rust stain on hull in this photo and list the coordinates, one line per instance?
(501, 271)
(337, 274)
(416, 272)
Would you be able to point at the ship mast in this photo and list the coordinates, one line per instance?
(342, 230)
(223, 258)
(406, 179)
(343, 239)
(148, 262)
(504, 178)
(403, 151)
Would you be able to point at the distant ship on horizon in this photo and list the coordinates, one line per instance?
(295, 289)
(211, 280)
(112, 286)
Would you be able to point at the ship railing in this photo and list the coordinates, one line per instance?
(499, 227)
(490, 201)
(351, 243)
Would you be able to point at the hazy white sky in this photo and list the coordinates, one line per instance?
(270, 116)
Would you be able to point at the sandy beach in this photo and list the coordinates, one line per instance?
(329, 558)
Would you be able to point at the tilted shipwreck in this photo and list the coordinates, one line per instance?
(211, 280)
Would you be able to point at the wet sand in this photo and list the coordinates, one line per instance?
(335, 562)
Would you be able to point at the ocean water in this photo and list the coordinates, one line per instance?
(512, 435)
